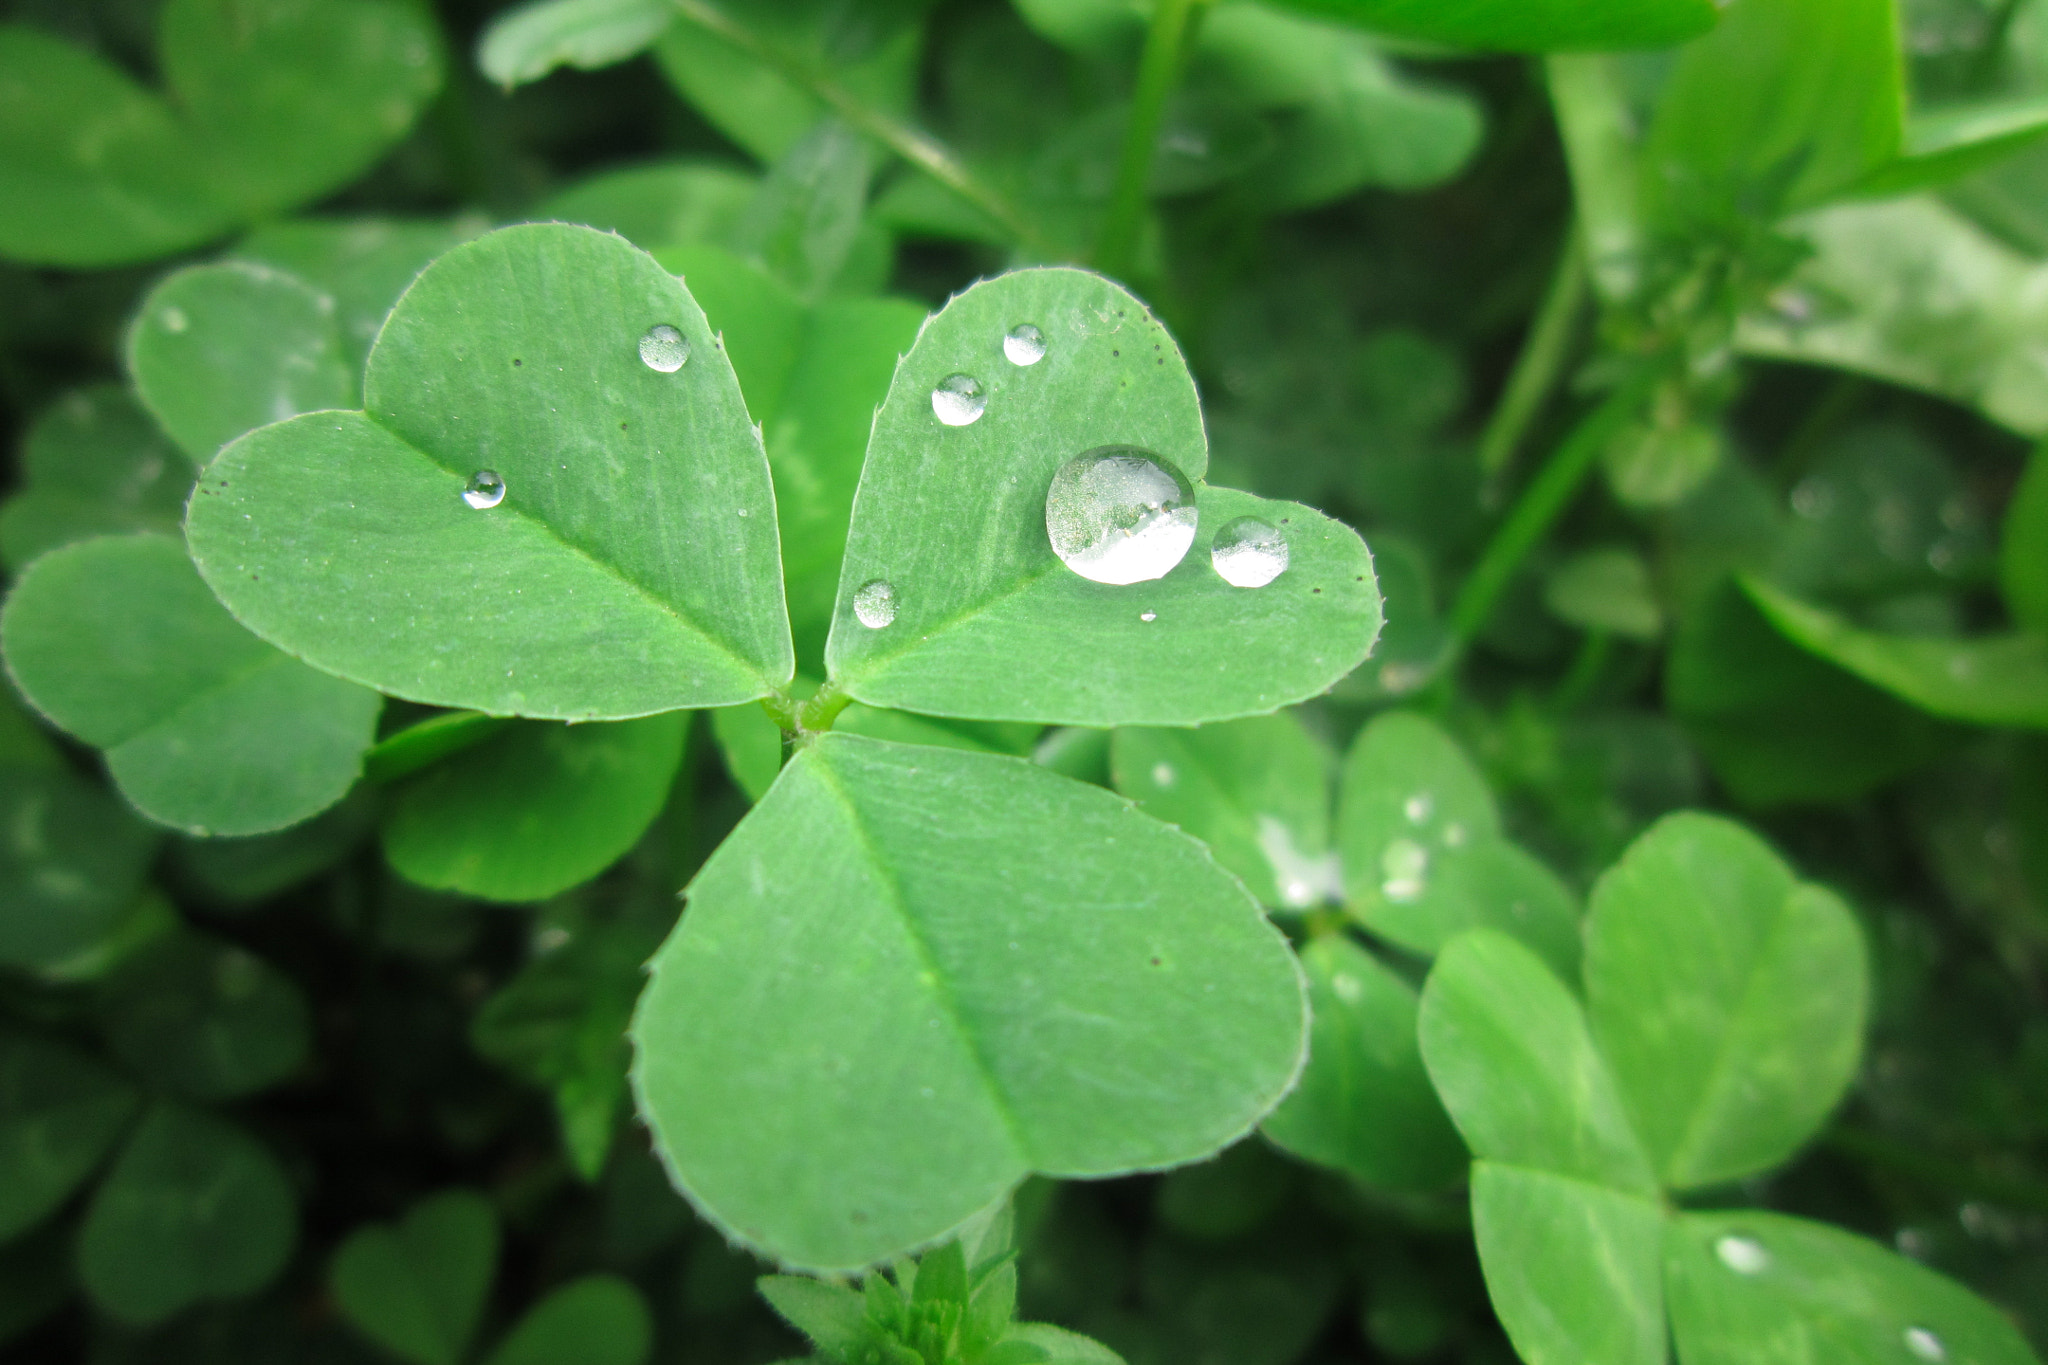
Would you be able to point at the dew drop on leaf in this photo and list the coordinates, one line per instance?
(486, 489)
(1405, 869)
(1162, 774)
(1418, 807)
(664, 348)
(1249, 553)
(1024, 344)
(1148, 616)
(959, 400)
(174, 319)
(1925, 1345)
(874, 606)
(1118, 514)
(1743, 1255)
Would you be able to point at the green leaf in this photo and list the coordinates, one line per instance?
(1529, 26)
(1606, 589)
(1423, 853)
(833, 1317)
(270, 104)
(1364, 1104)
(988, 622)
(1986, 680)
(205, 727)
(813, 376)
(1910, 291)
(417, 1287)
(72, 861)
(1728, 998)
(663, 204)
(1946, 144)
(35, 1281)
(1786, 104)
(802, 221)
(1761, 1289)
(597, 1320)
(561, 1023)
(363, 264)
(751, 745)
(900, 727)
(239, 874)
(1508, 1050)
(404, 752)
(614, 579)
(218, 350)
(93, 463)
(1256, 791)
(535, 810)
(2023, 555)
(527, 43)
(193, 1209)
(1062, 985)
(1601, 131)
(1057, 1345)
(1571, 1266)
(1778, 724)
(204, 1018)
(60, 1112)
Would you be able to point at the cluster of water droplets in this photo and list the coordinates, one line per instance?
(1747, 1256)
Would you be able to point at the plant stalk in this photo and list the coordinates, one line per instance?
(1539, 507)
(1159, 69)
(919, 148)
(1540, 362)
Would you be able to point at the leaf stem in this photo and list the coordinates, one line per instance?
(919, 148)
(816, 715)
(1540, 362)
(1159, 70)
(1539, 507)
(1587, 666)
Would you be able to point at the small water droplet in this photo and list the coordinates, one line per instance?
(1925, 1345)
(1118, 514)
(1743, 1255)
(1405, 865)
(174, 319)
(1163, 774)
(743, 511)
(1024, 344)
(1418, 807)
(1148, 616)
(486, 489)
(1249, 553)
(875, 604)
(664, 348)
(959, 400)
(1454, 835)
(1347, 987)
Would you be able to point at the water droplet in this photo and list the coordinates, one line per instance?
(486, 489)
(1418, 807)
(1024, 344)
(1454, 835)
(174, 319)
(1925, 1345)
(1405, 865)
(959, 400)
(1118, 514)
(1743, 1255)
(1148, 616)
(1347, 987)
(1249, 553)
(743, 511)
(1162, 774)
(1813, 498)
(875, 604)
(664, 348)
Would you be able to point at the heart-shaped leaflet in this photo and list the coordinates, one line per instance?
(555, 505)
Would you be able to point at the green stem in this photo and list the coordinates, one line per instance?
(1540, 362)
(816, 715)
(1539, 507)
(1796, 457)
(1158, 72)
(1587, 666)
(919, 148)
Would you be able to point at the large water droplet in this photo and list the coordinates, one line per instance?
(664, 348)
(1405, 865)
(875, 604)
(1925, 1345)
(959, 399)
(486, 489)
(1249, 553)
(1743, 1255)
(1119, 514)
(1024, 344)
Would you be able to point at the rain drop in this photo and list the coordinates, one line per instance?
(1925, 1345)
(174, 319)
(1118, 514)
(1743, 1255)
(664, 348)
(1418, 807)
(1148, 616)
(1162, 774)
(959, 400)
(1405, 865)
(1249, 553)
(875, 604)
(1024, 344)
(485, 489)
